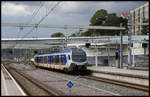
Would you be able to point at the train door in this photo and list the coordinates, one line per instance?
(49, 62)
(57, 61)
(63, 60)
(41, 61)
(45, 61)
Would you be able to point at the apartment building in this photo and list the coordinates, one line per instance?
(137, 16)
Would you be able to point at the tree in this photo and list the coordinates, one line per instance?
(86, 33)
(73, 35)
(102, 18)
(58, 34)
(145, 28)
(98, 17)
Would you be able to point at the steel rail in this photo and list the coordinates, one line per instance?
(120, 83)
(47, 91)
(124, 84)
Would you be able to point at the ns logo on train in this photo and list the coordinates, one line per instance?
(69, 60)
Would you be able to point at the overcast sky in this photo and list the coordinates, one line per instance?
(66, 13)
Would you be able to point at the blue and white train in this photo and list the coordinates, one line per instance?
(74, 59)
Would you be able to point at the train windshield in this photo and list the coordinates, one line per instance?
(78, 55)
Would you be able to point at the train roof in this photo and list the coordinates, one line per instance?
(62, 52)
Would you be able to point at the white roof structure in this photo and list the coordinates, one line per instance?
(63, 26)
(39, 43)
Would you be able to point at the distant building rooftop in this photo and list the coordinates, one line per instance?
(124, 15)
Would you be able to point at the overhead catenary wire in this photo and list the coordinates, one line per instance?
(35, 13)
(42, 19)
(39, 21)
(29, 21)
(48, 12)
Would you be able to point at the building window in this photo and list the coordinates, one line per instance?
(143, 12)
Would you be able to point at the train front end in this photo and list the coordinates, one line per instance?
(79, 60)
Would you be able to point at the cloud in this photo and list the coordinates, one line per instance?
(66, 13)
(10, 9)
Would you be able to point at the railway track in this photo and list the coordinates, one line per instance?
(31, 86)
(127, 86)
(120, 83)
(124, 84)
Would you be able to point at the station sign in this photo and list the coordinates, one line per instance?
(137, 45)
(117, 51)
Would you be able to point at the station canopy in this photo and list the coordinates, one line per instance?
(41, 43)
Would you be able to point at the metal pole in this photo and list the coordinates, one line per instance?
(144, 54)
(129, 43)
(121, 51)
(13, 53)
(108, 49)
(25, 58)
(36, 36)
(133, 58)
(96, 56)
(96, 60)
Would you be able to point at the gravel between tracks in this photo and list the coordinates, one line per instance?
(58, 81)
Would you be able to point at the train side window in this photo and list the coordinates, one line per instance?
(51, 59)
(45, 59)
(48, 59)
(62, 59)
(35, 59)
(41, 59)
(56, 59)
(38, 59)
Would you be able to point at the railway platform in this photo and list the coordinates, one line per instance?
(125, 75)
(9, 86)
